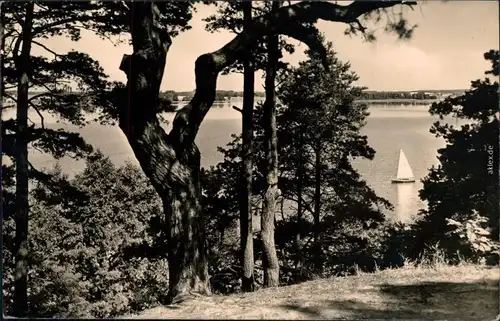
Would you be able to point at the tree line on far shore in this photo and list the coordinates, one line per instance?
(222, 95)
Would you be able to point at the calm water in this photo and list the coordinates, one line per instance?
(388, 128)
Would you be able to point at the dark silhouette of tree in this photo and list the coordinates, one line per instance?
(462, 191)
(321, 112)
(229, 17)
(89, 250)
(246, 215)
(26, 25)
(270, 202)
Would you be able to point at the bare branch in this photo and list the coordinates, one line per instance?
(9, 47)
(41, 6)
(46, 48)
(7, 107)
(17, 46)
(51, 90)
(360, 26)
(10, 97)
(124, 4)
(89, 17)
(42, 119)
(42, 95)
(115, 43)
(238, 109)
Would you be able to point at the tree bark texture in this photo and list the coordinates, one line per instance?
(246, 226)
(299, 262)
(22, 63)
(317, 206)
(172, 161)
(270, 204)
(317, 192)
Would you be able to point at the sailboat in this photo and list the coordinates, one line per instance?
(405, 174)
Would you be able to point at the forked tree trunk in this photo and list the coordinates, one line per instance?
(246, 226)
(172, 161)
(270, 257)
(22, 203)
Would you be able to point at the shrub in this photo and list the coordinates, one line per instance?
(84, 257)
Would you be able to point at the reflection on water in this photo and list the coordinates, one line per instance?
(405, 207)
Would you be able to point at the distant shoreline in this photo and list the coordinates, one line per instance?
(398, 101)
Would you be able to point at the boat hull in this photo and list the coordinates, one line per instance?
(403, 180)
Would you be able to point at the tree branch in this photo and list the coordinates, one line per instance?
(39, 114)
(82, 27)
(17, 46)
(124, 4)
(40, 29)
(42, 95)
(8, 47)
(46, 48)
(207, 67)
(10, 97)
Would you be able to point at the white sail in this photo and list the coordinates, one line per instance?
(404, 169)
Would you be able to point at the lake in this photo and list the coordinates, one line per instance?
(389, 128)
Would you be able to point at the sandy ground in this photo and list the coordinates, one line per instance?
(451, 293)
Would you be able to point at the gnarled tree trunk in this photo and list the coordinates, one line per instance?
(270, 258)
(22, 203)
(246, 226)
(172, 161)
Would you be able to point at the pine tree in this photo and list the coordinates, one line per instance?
(462, 191)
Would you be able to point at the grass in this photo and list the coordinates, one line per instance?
(464, 292)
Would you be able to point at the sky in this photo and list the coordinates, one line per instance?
(446, 51)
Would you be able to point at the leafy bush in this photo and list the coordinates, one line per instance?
(472, 238)
(84, 260)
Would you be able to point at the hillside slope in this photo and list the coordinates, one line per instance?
(458, 293)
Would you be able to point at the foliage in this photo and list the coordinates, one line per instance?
(83, 262)
(229, 16)
(71, 86)
(472, 238)
(320, 108)
(462, 191)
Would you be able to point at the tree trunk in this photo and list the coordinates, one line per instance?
(22, 202)
(270, 259)
(300, 174)
(317, 193)
(246, 226)
(171, 161)
(317, 206)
